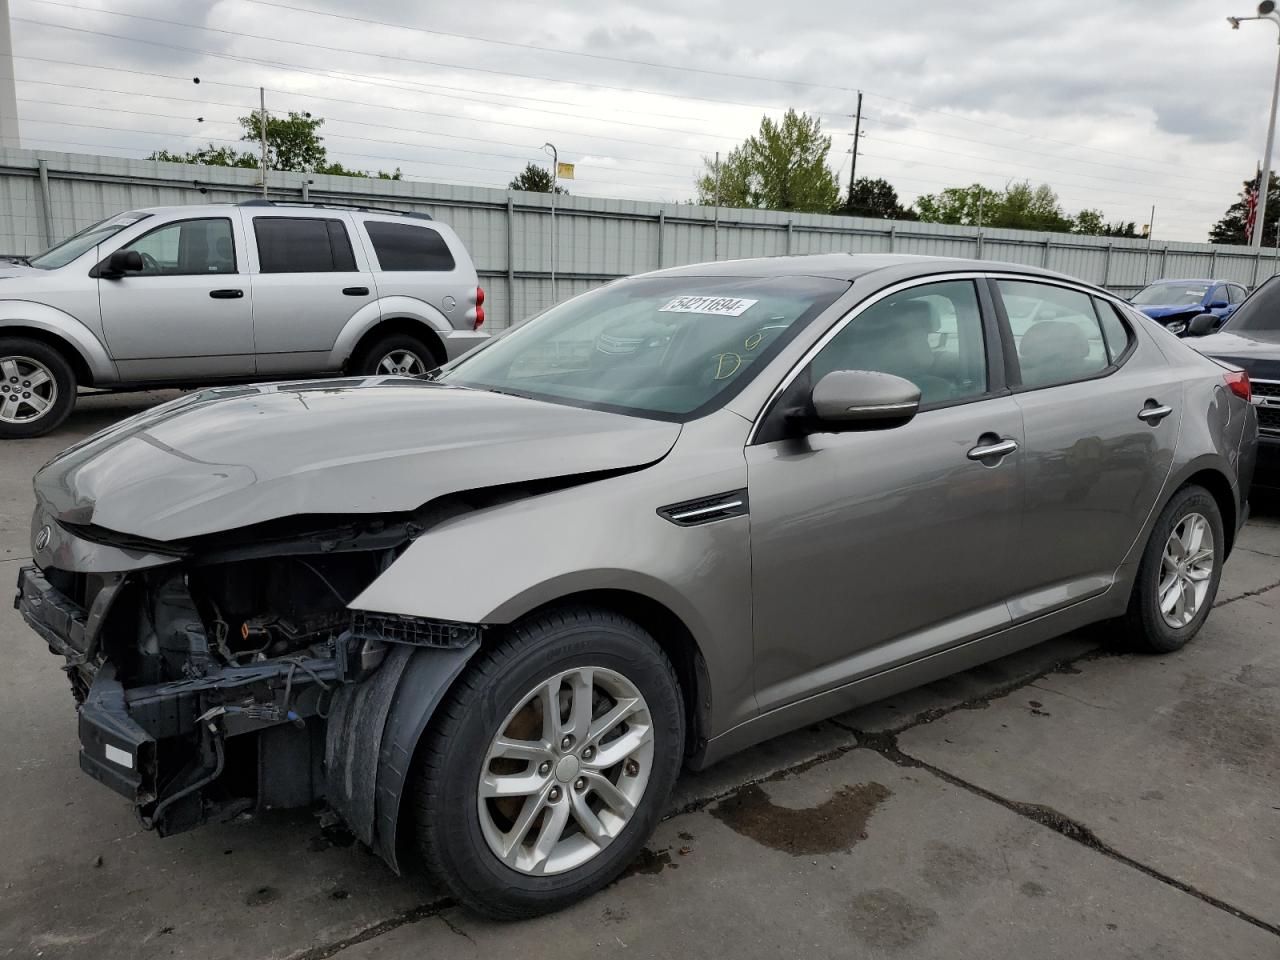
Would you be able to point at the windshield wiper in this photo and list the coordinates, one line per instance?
(16, 258)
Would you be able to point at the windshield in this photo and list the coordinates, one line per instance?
(60, 254)
(669, 348)
(1261, 311)
(1172, 294)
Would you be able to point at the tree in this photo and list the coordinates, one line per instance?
(1020, 206)
(1090, 223)
(535, 179)
(875, 198)
(961, 205)
(782, 167)
(1230, 229)
(293, 143)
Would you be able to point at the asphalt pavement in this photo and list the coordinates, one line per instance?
(1072, 800)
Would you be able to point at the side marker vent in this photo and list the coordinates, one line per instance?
(692, 513)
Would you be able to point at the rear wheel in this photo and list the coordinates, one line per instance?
(399, 354)
(550, 764)
(37, 388)
(1179, 574)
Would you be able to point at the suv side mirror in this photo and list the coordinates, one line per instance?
(1203, 325)
(120, 263)
(862, 399)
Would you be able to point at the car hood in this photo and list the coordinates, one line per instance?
(231, 457)
(1159, 311)
(1258, 351)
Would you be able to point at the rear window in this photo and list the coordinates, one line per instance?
(302, 245)
(405, 246)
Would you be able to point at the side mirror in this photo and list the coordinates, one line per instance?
(1218, 305)
(120, 263)
(863, 399)
(1203, 325)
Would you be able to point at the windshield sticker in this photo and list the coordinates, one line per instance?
(713, 306)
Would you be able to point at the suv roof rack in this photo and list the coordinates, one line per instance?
(322, 204)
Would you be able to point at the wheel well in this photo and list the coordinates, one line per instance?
(407, 326)
(84, 376)
(1220, 488)
(677, 643)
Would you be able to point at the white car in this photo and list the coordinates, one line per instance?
(227, 293)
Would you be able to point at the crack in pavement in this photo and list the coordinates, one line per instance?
(886, 745)
(1248, 593)
(412, 915)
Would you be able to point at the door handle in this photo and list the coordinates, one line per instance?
(1153, 412)
(984, 451)
(355, 291)
(231, 294)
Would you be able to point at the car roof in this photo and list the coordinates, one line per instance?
(1154, 283)
(852, 266)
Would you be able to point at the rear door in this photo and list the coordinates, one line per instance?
(1101, 411)
(309, 279)
(186, 315)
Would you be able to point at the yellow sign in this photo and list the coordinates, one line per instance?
(564, 171)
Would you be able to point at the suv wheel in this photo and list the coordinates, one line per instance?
(37, 388)
(1179, 573)
(396, 355)
(550, 764)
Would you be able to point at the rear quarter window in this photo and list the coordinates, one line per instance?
(406, 246)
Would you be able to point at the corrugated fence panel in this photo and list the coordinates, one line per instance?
(597, 239)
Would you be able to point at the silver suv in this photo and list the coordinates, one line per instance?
(223, 293)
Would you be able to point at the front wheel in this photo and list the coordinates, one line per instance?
(1179, 573)
(550, 764)
(37, 388)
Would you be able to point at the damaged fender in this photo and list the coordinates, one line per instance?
(374, 728)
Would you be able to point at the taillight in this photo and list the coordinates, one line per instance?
(1238, 383)
(479, 308)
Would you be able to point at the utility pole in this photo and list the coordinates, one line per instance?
(1151, 229)
(857, 132)
(8, 91)
(262, 126)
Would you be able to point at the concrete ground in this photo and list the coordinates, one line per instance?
(1068, 801)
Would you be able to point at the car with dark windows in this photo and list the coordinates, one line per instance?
(488, 614)
(229, 293)
(1251, 341)
(1173, 303)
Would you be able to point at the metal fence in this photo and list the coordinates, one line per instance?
(46, 196)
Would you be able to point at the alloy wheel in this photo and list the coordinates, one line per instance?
(403, 362)
(28, 390)
(566, 771)
(1186, 570)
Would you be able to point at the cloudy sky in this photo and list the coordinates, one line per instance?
(1118, 104)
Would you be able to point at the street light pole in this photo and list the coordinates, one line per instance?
(1266, 11)
(555, 174)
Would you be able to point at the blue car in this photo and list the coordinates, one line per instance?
(1174, 302)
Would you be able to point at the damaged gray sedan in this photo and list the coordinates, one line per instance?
(488, 615)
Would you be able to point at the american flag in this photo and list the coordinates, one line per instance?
(1251, 208)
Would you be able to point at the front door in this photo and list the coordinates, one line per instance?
(1100, 409)
(881, 546)
(187, 315)
(308, 282)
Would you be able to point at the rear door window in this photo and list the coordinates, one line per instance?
(1056, 333)
(303, 245)
(406, 246)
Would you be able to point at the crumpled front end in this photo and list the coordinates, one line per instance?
(206, 674)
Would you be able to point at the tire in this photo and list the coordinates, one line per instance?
(32, 371)
(393, 349)
(451, 816)
(1147, 626)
